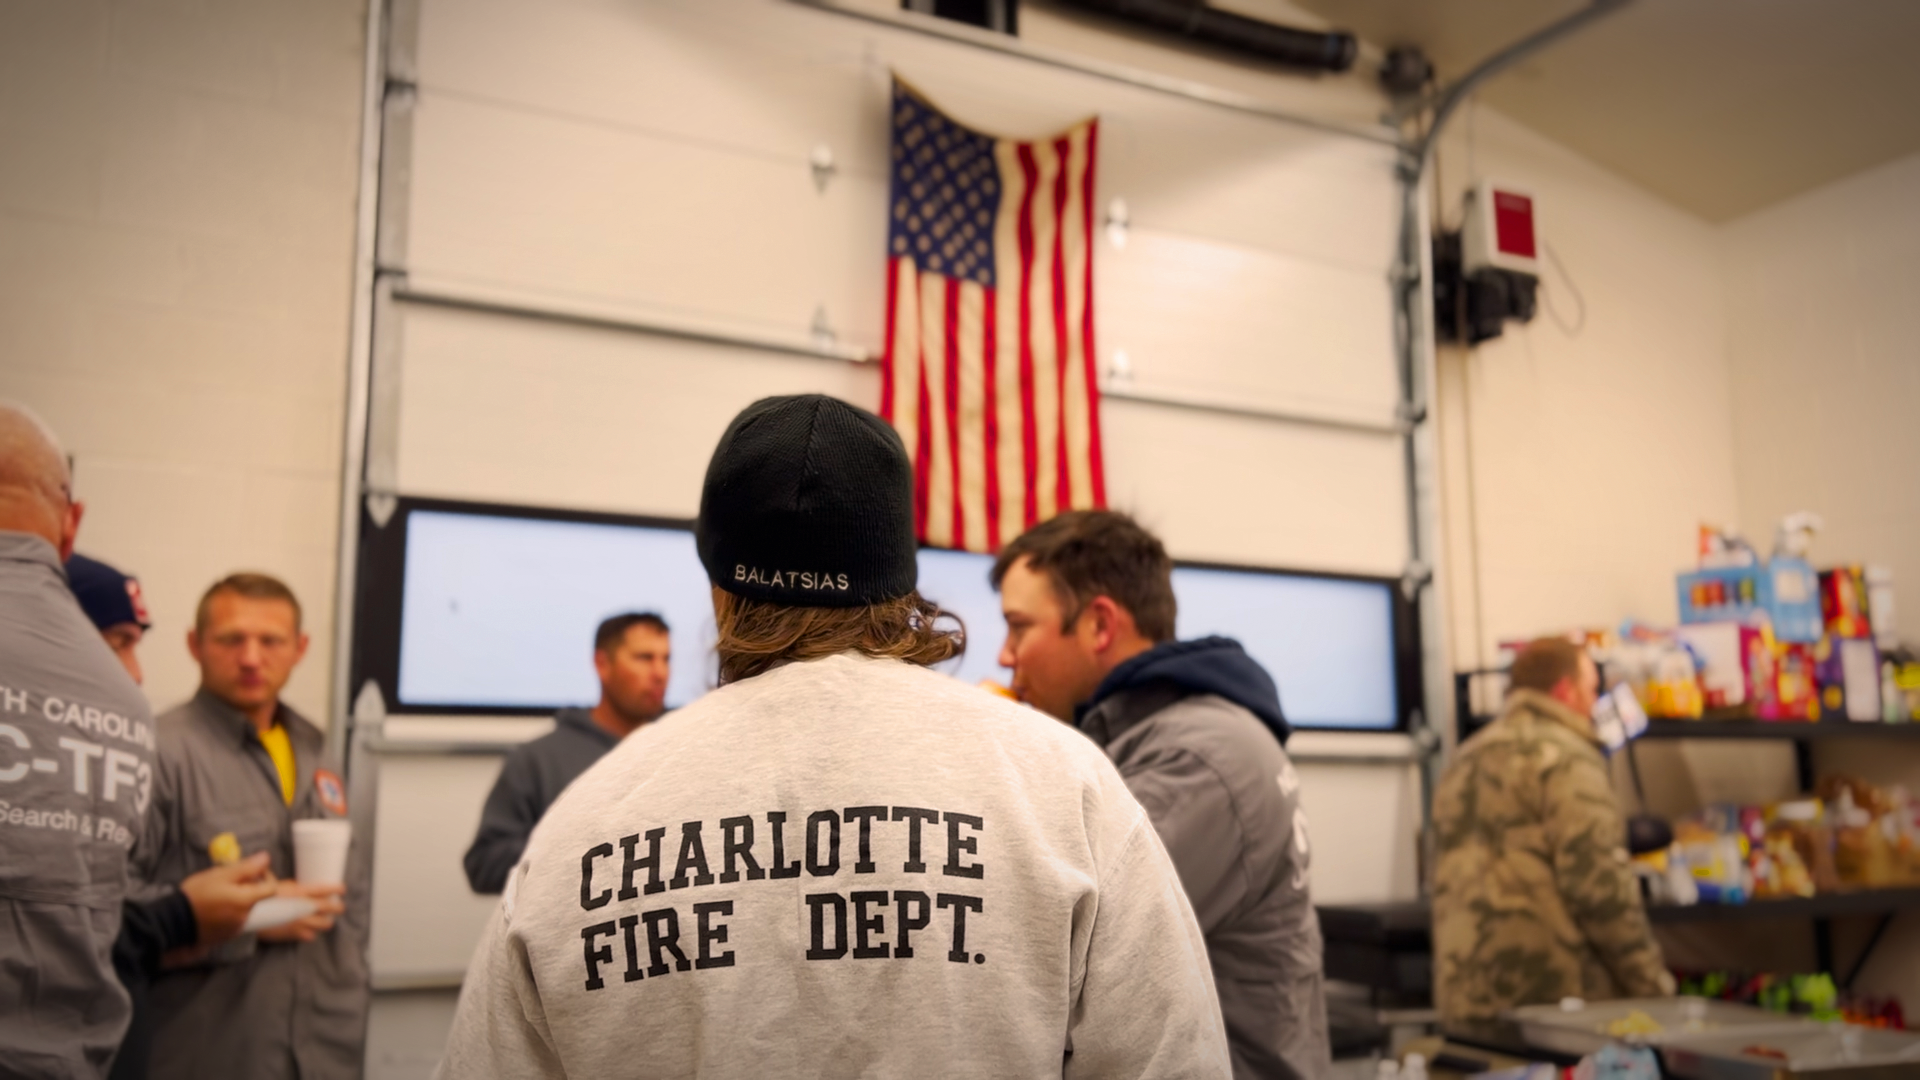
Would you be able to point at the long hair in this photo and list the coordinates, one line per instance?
(756, 636)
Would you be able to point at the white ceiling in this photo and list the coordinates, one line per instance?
(1720, 106)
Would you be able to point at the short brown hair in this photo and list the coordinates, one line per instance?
(613, 631)
(253, 587)
(756, 636)
(1089, 553)
(1543, 663)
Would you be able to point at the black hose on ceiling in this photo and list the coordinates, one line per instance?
(1310, 49)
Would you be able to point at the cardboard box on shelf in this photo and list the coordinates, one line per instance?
(1784, 589)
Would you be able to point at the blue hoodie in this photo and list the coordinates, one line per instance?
(1209, 665)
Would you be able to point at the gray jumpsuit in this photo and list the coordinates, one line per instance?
(254, 1009)
(76, 775)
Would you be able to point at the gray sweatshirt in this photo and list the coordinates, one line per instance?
(76, 775)
(1196, 729)
(846, 867)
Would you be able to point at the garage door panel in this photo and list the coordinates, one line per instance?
(775, 79)
(1248, 491)
(496, 408)
(1250, 326)
(558, 207)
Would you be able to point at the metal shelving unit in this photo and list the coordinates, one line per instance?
(1779, 729)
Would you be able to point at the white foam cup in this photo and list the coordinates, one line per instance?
(320, 851)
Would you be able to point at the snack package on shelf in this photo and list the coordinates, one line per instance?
(1848, 671)
(1746, 672)
(1663, 672)
(1794, 685)
(1876, 833)
(1843, 602)
(1813, 996)
(1715, 854)
(1803, 824)
(1779, 870)
(1874, 1012)
(1782, 593)
(1664, 879)
(1900, 685)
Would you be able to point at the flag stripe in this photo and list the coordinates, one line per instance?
(923, 448)
(990, 419)
(1073, 389)
(933, 384)
(1046, 350)
(971, 526)
(1096, 458)
(957, 524)
(1012, 401)
(1063, 494)
(1029, 427)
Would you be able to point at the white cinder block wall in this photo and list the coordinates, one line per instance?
(176, 246)
(1823, 331)
(1599, 445)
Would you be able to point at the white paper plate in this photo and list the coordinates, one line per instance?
(276, 911)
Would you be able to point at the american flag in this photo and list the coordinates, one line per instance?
(989, 371)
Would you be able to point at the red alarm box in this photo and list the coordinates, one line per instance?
(1499, 230)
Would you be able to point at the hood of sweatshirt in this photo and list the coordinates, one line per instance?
(1210, 665)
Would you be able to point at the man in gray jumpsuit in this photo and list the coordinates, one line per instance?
(286, 1002)
(76, 775)
(1196, 731)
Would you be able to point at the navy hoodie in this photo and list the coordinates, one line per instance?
(1208, 665)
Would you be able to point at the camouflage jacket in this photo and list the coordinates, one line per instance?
(1533, 898)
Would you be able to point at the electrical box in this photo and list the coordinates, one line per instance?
(1499, 230)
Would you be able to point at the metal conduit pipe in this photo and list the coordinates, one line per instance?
(1414, 331)
(1450, 98)
(1309, 49)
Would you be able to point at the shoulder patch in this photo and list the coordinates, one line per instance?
(332, 793)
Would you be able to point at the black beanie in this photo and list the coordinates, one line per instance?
(809, 503)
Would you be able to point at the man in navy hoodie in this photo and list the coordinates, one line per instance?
(1196, 731)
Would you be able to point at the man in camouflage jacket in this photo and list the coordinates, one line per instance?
(1534, 899)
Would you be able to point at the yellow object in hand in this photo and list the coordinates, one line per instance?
(997, 688)
(224, 849)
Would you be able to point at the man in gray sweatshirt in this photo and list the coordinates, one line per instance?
(839, 863)
(632, 655)
(1195, 728)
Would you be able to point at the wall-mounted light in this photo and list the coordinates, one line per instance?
(1121, 369)
(1117, 224)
